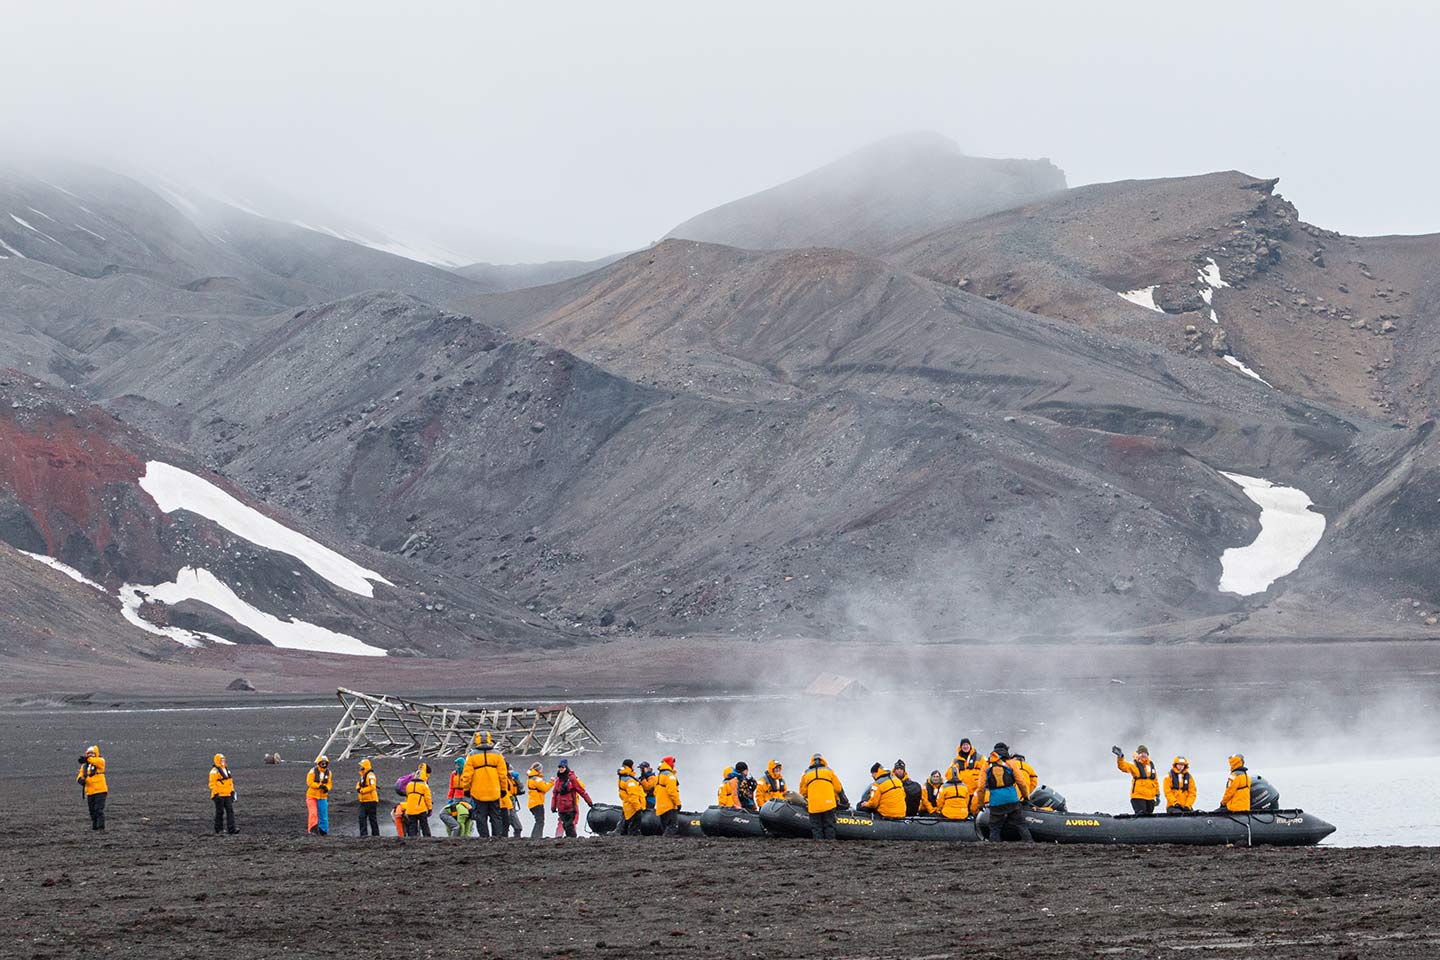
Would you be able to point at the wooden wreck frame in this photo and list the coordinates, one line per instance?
(383, 726)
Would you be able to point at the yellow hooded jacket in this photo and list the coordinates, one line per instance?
(317, 782)
(820, 787)
(1144, 785)
(887, 796)
(726, 795)
(418, 799)
(772, 784)
(632, 794)
(1237, 788)
(536, 785)
(485, 773)
(954, 800)
(92, 773)
(221, 783)
(1179, 786)
(667, 790)
(366, 789)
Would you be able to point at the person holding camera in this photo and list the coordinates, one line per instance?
(317, 797)
(93, 785)
(1144, 784)
(222, 792)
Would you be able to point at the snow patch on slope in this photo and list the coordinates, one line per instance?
(174, 489)
(1142, 297)
(66, 569)
(34, 229)
(131, 599)
(1238, 364)
(12, 250)
(1289, 530)
(199, 584)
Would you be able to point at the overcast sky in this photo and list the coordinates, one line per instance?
(532, 130)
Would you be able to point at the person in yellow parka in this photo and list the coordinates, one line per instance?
(632, 798)
(1144, 784)
(667, 797)
(367, 793)
(1179, 787)
(485, 778)
(93, 785)
(648, 777)
(317, 797)
(727, 796)
(953, 800)
(823, 796)
(887, 794)
(930, 799)
(510, 802)
(222, 793)
(1237, 788)
(535, 788)
(1032, 779)
(969, 764)
(418, 803)
(772, 784)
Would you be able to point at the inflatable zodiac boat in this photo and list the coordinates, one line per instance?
(604, 818)
(731, 822)
(785, 819)
(1283, 828)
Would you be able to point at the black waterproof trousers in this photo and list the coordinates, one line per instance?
(1012, 816)
(670, 823)
(96, 803)
(369, 818)
(567, 820)
(537, 832)
(489, 819)
(822, 825)
(417, 825)
(1142, 807)
(225, 814)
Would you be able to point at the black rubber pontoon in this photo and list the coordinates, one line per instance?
(1283, 828)
(731, 822)
(604, 818)
(785, 819)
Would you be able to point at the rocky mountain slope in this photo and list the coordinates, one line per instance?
(182, 554)
(499, 277)
(870, 199)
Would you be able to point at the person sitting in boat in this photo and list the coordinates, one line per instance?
(914, 792)
(772, 785)
(968, 764)
(1179, 787)
(1144, 785)
(745, 786)
(930, 799)
(725, 796)
(1237, 788)
(1031, 777)
(886, 796)
(952, 801)
(1005, 789)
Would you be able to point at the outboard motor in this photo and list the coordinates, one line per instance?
(1263, 796)
(1050, 799)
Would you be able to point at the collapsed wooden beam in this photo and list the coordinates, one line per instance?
(381, 726)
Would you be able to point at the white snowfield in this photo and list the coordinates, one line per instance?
(199, 584)
(66, 569)
(13, 252)
(1239, 364)
(174, 489)
(1289, 530)
(1142, 297)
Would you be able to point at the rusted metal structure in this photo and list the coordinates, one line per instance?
(383, 726)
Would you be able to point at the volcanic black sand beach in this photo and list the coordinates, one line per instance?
(158, 884)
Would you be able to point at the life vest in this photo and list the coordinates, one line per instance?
(1146, 770)
(221, 772)
(1180, 781)
(998, 776)
(967, 761)
(322, 777)
(776, 785)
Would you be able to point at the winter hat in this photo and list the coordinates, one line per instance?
(900, 765)
(644, 764)
(669, 760)
(1143, 749)
(563, 764)
(741, 767)
(876, 768)
(460, 763)
(1002, 748)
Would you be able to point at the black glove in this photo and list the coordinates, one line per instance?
(1117, 751)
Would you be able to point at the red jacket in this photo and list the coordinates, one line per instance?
(567, 788)
(455, 789)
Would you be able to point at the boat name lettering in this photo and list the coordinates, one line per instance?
(1082, 823)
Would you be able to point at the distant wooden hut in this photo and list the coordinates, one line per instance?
(837, 687)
